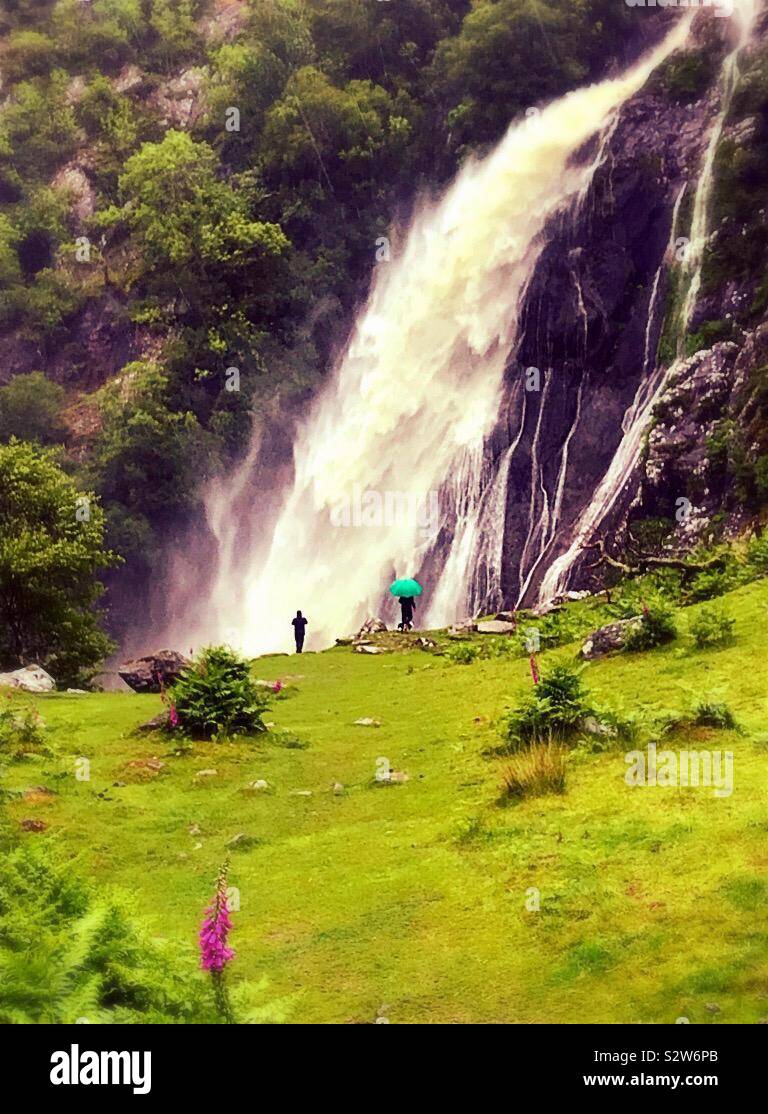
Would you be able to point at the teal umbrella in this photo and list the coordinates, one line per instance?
(406, 587)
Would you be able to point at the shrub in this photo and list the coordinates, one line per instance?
(216, 696)
(714, 715)
(757, 554)
(556, 708)
(656, 626)
(463, 653)
(536, 771)
(21, 732)
(712, 627)
(711, 583)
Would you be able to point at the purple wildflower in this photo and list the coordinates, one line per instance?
(214, 953)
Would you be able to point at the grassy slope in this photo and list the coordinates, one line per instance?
(652, 900)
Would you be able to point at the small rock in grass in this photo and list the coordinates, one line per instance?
(366, 721)
(260, 784)
(206, 773)
(495, 626)
(338, 788)
(712, 1007)
(300, 793)
(77, 692)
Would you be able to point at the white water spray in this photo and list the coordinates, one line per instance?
(416, 392)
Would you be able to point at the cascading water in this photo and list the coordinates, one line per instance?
(654, 380)
(413, 400)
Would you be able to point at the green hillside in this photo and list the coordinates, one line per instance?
(407, 901)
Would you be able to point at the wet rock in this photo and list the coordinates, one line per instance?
(153, 672)
(31, 678)
(608, 638)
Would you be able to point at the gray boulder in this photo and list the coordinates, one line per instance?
(495, 626)
(153, 672)
(608, 638)
(31, 678)
(372, 625)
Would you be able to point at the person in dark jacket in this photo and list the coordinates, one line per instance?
(406, 613)
(299, 629)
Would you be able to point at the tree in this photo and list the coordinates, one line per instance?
(30, 408)
(51, 537)
(192, 228)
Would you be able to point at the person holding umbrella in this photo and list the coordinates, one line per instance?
(406, 590)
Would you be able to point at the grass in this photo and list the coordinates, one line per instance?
(411, 898)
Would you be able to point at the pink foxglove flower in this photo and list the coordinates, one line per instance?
(277, 686)
(173, 716)
(214, 953)
(534, 669)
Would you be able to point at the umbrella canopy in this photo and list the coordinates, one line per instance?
(406, 587)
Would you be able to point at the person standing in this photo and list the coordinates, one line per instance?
(299, 625)
(406, 612)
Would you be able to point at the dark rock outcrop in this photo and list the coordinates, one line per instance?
(154, 672)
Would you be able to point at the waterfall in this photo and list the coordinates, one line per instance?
(412, 401)
(653, 382)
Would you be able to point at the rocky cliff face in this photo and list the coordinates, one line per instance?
(597, 322)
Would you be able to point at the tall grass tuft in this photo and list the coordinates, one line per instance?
(533, 772)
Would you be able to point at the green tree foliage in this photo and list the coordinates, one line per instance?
(30, 409)
(193, 230)
(149, 459)
(51, 548)
(514, 54)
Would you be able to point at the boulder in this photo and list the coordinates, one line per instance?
(32, 678)
(495, 626)
(153, 672)
(372, 625)
(609, 638)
